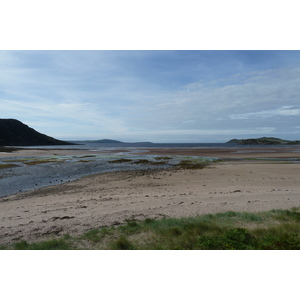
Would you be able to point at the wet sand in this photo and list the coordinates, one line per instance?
(111, 198)
(251, 152)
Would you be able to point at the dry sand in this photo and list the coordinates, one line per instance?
(111, 198)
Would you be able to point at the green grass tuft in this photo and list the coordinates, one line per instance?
(122, 243)
(56, 244)
(272, 230)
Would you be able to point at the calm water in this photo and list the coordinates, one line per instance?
(111, 146)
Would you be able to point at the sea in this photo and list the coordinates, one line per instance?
(94, 146)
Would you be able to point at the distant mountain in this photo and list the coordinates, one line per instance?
(15, 133)
(263, 141)
(106, 141)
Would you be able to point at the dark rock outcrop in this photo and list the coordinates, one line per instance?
(15, 133)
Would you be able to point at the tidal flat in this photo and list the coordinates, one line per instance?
(98, 192)
(20, 174)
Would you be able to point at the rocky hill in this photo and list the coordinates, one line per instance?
(15, 133)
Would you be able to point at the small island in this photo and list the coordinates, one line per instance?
(263, 141)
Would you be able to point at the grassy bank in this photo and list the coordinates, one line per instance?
(272, 230)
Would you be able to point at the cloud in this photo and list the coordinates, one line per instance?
(136, 94)
(66, 117)
(283, 111)
(221, 101)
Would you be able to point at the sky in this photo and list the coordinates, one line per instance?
(171, 96)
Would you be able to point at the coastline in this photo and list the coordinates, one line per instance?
(220, 152)
(111, 198)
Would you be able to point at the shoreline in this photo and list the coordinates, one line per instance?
(110, 198)
(230, 152)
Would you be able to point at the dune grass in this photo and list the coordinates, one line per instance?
(55, 244)
(272, 230)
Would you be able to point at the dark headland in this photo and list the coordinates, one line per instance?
(15, 133)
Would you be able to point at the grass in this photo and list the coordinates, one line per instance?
(272, 230)
(55, 244)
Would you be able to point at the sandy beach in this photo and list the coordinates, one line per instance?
(111, 198)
